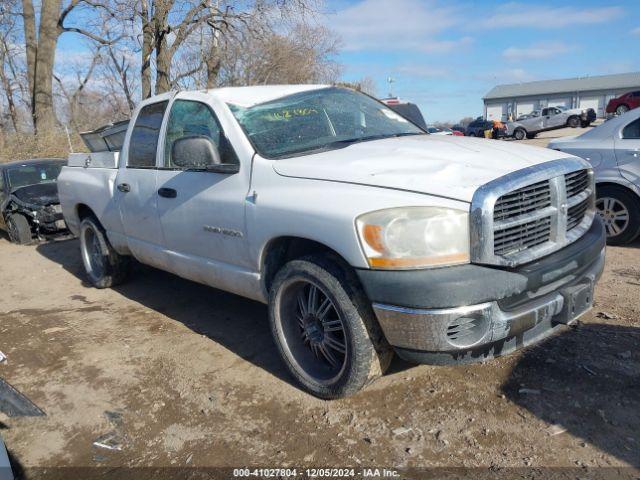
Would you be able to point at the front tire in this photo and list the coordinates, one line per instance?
(325, 329)
(620, 213)
(19, 229)
(104, 266)
(573, 122)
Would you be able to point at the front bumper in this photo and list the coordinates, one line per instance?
(473, 312)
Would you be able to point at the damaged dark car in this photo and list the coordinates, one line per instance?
(29, 199)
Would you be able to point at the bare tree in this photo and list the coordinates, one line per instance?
(73, 95)
(41, 50)
(11, 78)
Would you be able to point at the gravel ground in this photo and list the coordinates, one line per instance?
(183, 375)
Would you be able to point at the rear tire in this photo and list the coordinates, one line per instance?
(520, 134)
(19, 229)
(325, 329)
(622, 109)
(620, 212)
(104, 266)
(573, 122)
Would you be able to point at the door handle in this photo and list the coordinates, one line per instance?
(167, 192)
(124, 187)
(634, 153)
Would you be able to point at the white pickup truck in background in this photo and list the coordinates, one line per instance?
(364, 234)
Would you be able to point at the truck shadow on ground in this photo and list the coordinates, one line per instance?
(586, 381)
(237, 323)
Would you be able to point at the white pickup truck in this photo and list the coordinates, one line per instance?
(364, 234)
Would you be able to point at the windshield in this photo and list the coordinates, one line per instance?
(561, 107)
(23, 175)
(319, 120)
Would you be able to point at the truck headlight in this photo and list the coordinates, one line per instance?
(414, 237)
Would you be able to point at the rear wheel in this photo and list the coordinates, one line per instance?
(325, 329)
(104, 266)
(19, 229)
(520, 134)
(620, 212)
(622, 109)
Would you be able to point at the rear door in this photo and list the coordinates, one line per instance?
(551, 118)
(627, 147)
(135, 190)
(203, 221)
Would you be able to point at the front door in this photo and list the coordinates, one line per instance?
(201, 211)
(627, 146)
(135, 188)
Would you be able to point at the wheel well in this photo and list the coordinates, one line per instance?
(84, 211)
(284, 249)
(616, 185)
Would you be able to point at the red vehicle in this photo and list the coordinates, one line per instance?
(624, 103)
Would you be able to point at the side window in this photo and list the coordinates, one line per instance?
(144, 137)
(1, 181)
(547, 111)
(632, 131)
(188, 118)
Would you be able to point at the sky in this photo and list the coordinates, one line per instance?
(446, 55)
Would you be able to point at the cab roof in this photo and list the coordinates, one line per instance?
(250, 96)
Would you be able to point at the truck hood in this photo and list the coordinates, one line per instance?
(40, 195)
(446, 166)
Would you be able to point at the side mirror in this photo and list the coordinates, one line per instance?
(197, 151)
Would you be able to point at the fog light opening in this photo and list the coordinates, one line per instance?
(467, 330)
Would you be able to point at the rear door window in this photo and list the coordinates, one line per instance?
(144, 137)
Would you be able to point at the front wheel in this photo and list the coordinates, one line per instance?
(573, 122)
(104, 266)
(324, 328)
(620, 213)
(19, 229)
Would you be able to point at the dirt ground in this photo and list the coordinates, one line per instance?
(190, 378)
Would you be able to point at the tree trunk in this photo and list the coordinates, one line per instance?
(6, 86)
(31, 47)
(163, 53)
(44, 117)
(147, 49)
(213, 61)
(8, 82)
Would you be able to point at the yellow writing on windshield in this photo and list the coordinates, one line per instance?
(294, 112)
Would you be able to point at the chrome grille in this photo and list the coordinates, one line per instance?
(576, 214)
(532, 212)
(526, 235)
(576, 182)
(522, 201)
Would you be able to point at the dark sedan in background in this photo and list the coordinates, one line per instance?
(29, 204)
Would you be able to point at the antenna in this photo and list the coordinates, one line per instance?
(390, 81)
